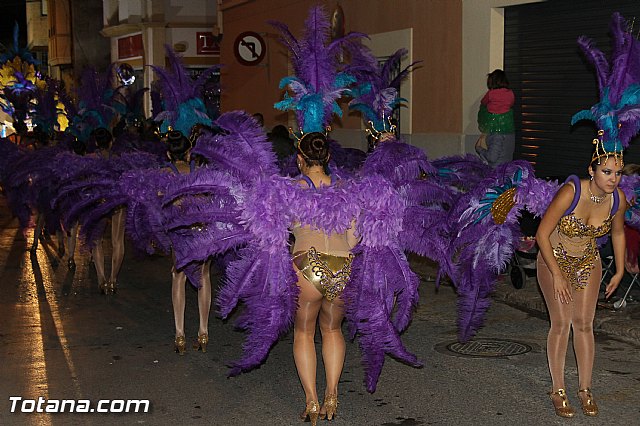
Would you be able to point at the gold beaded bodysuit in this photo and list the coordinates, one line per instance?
(323, 259)
(574, 242)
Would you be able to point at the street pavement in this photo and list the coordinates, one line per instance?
(61, 339)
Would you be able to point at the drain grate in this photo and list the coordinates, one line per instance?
(489, 348)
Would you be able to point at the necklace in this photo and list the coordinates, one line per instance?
(596, 199)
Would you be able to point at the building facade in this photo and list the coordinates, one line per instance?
(137, 32)
(458, 42)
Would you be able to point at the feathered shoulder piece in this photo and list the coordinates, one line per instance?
(377, 93)
(182, 104)
(317, 83)
(617, 113)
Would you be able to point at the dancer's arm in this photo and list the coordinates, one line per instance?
(618, 241)
(556, 209)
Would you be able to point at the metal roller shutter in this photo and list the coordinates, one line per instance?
(552, 80)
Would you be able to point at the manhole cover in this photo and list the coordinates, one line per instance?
(489, 348)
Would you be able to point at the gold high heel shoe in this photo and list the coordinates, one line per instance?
(311, 412)
(564, 410)
(589, 407)
(330, 406)
(181, 345)
(201, 343)
(112, 287)
(104, 287)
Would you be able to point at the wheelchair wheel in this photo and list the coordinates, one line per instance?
(518, 276)
(619, 304)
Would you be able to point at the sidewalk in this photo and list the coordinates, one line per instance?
(623, 324)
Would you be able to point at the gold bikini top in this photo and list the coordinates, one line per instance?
(573, 226)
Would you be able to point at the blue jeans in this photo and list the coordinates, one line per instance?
(500, 147)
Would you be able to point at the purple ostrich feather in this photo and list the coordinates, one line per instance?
(241, 142)
(480, 248)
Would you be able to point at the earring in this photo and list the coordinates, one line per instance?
(591, 178)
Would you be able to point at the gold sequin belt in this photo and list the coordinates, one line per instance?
(577, 269)
(328, 273)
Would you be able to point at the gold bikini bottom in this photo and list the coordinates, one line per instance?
(328, 273)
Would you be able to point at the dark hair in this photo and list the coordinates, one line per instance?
(40, 136)
(279, 131)
(103, 138)
(314, 149)
(259, 118)
(631, 169)
(497, 80)
(177, 146)
(79, 147)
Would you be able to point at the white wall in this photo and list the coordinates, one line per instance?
(191, 11)
(186, 36)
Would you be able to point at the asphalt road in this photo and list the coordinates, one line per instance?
(62, 340)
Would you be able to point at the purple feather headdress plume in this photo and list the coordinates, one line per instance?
(377, 92)
(617, 114)
(317, 84)
(183, 107)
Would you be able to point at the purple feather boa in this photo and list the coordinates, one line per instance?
(381, 279)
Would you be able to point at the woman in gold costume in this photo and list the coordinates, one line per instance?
(323, 263)
(569, 270)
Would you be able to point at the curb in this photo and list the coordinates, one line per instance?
(623, 324)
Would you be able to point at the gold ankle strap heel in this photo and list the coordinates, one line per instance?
(180, 345)
(564, 409)
(201, 343)
(311, 412)
(330, 406)
(589, 406)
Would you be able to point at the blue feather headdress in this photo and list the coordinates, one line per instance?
(377, 94)
(95, 103)
(182, 104)
(15, 51)
(317, 84)
(617, 115)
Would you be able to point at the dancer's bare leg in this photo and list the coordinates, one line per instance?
(72, 238)
(560, 315)
(583, 314)
(60, 239)
(204, 298)
(333, 346)
(304, 350)
(178, 280)
(117, 243)
(98, 261)
(38, 231)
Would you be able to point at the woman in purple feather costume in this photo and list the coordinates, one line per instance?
(179, 154)
(323, 264)
(103, 139)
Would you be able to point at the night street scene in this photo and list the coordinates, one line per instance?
(239, 212)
